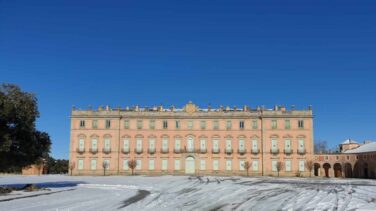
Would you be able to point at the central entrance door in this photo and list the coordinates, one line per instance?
(189, 165)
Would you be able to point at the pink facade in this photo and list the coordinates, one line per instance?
(191, 140)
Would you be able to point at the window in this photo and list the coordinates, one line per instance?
(203, 124)
(125, 165)
(106, 164)
(138, 164)
(177, 144)
(151, 164)
(241, 144)
(241, 165)
(215, 165)
(177, 124)
(228, 165)
(287, 124)
(165, 124)
(139, 124)
(254, 145)
(301, 144)
(164, 143)
(254, 124)
(301, 165)
(152, 124)
(288, 165)
(274, 144)
(152, 144)
(95, 124)
(93, 164)
(241, 124)
(107, 143)
(274, 165)
(255, 165)
(190, 124)
(301, 124)
(228, 145)
(177, 165)
(274, 124)
(228, 124)
(202, 164)
(287, 145)
(80, 164)
(81, 144)
(215, 145)
(126, 124)
(126, 144)
(202, 144)
(138, 144)
(215, 125)
(82, 123)
(94, 144)
(164, 164)
(108, 123)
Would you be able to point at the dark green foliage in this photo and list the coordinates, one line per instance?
(57, 166)
(20, 143)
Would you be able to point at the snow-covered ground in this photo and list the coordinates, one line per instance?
(189, 193)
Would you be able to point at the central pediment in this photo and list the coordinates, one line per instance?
(190, 108)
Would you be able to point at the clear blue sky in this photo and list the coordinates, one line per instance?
(220, 52)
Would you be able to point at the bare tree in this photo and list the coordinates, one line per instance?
(105, 167)
(246, 166)
(279, 166)
(132, 164)
(309, 165)
(71, 167)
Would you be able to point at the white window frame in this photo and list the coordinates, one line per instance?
(80, 164)
(93, 164)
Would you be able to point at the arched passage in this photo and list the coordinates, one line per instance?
(337, 168)
(316, 169)
(365, 170)
(348, 170)
(326, 167)
(189, 165)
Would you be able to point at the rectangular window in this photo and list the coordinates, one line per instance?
(177, 124)
(202, 164)
(138, 164)
(106, 164)
(126, 124)
(215, 125)
(202, 144)
(164, 164)
(301, 124)
(152, 144)
(203, 124)
(301, 165)
(215, 144)
(138, 144)
(151, 164)
(228, 124)
(126, 144)
(288, 165)
(177, 165)
(81, 144)
(82, 123)
(288, 145)
(139, 124)
(274, 144)
(274, 165)
(255, 165)
(177, 144)
(274, 124)
(228, 144)
(165, 124)
(93, 164)
(94, 144)
(241, 165)
(108, 123)
(241, 124)
(254, 124)
(254, 145)
(80, 164)
(228, 165)
(215, 165)
(301, 144)
(241, 144)
(95, 124)
(190, 124)
(152, 124)
(125, 165)
(107, 143)
(164, 143)
(287, 124)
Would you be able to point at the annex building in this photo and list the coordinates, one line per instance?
(191, 140)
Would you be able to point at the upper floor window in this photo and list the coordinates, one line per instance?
(203, 124)
(241, 124)
(152, 124)
(139, 124)
(215, 125)
(254, 124)
(95, 124)
(108, 123)
(126, 124)
(165, 124)
(301, 124)
(82, 123)
(274, 124)
(177, 124)
(287, 124)
(190, 124)
(228, 124)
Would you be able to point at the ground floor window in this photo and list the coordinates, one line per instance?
(151, 164)
(255, 165)
(215, 165)
(274, 165)
(301, 165)
(202, 164)
(138, 164)
(125, 165)
(93, 164)
(288, 165)
(241, 165)
(164, 165)
(80, 164)
(106, 164)
(177, 164)
(228, 165)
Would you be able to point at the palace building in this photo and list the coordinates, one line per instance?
(191, 140)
